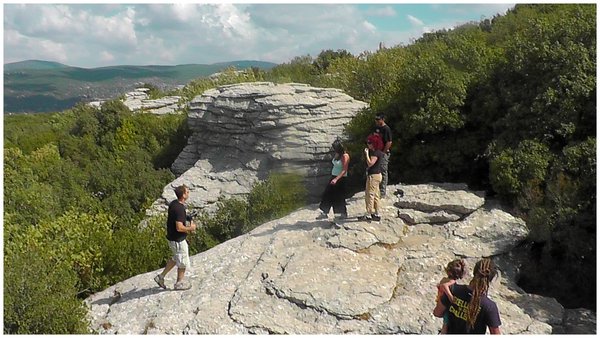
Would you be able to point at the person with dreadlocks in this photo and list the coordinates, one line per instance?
(472, 311)
(455, 270)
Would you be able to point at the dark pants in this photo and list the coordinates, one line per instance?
(334, 196)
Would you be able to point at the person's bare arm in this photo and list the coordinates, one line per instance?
(495, 330)
(345, 162)
(387, 147)
(180, 227)
(446, 288)
(439, 309)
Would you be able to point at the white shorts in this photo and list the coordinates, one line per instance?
(180, 253)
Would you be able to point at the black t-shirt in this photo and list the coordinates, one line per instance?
(457, 312)
(386, 133)
(375, 168)
(176, 213)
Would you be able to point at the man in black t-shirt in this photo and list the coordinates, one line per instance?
(472, 311)
(176, 234)
(386, 135)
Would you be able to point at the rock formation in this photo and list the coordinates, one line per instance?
(243, 132)
(139, 102)
(297, 275)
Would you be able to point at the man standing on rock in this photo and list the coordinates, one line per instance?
(386, 135)
(472, 311)
(176, 234)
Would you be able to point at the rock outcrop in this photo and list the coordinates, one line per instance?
(298, 275)
(243, 132)
(138, 101)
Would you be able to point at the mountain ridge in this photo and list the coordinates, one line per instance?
(38, 86)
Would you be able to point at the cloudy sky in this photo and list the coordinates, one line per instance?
(96, 35)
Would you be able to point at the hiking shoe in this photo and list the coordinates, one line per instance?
(182, 286)
(364, 218)
(322, 215)
(160, 280)
(376, 217)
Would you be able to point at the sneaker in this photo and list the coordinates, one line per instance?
(322, 215)
(399, 193)
(160, 280)
(364, 218)
(376, 217)
(182, 286)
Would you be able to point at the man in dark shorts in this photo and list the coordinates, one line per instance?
(176, 234)
(386, 135)
(472, 312)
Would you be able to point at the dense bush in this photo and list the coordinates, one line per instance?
(507, 105)
(40, 295)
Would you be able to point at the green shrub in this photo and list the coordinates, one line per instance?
(40, 295)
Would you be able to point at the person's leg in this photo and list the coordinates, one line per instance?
(369, 195)
(384, 174)
(180, 275)
(182, 264)
(170, 265)
(376, 179)
(339, 197)
(326, 199)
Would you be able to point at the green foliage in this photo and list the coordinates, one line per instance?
(513, 172)
(326, 57)
(40, 295)
(153, 93)
(228, 76)
(29, 132)
(300, 70)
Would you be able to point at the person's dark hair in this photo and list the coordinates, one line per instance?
(456, 269)
(338, 147)
(180, 190)
(379, 117)
(483, 273)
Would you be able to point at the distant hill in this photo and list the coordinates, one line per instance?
(33, 64)
(42, 86)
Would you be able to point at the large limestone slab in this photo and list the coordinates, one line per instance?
(299, 275)
(437, 197)
(243, 132)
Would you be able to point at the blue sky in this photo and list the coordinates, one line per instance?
(97, 35)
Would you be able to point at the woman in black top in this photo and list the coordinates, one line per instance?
(373, 158)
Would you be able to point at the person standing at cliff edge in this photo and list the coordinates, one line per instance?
(176, 234)
(472, 311)
(373, 157)
(334, 194)
(386, 134)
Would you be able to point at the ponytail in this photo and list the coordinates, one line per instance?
(483, 273)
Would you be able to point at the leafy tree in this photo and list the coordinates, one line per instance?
(326, 57)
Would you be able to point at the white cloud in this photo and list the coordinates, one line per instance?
(414, 21)
(94, 35)
(369, 26)
(386, 11)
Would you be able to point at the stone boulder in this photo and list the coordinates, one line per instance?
(243, 132)
(138, 102)
(299, 275)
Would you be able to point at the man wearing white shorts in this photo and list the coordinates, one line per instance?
(176, 234)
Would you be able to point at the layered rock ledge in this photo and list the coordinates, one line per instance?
(243, 132)
(298, 275)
